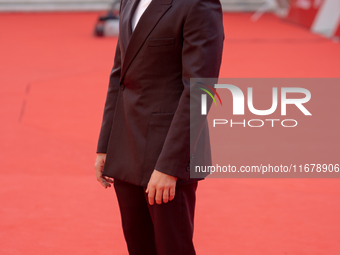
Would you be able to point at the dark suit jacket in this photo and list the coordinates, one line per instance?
(146, 120)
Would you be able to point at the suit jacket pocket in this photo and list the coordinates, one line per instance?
(161, 42)
(157, 131)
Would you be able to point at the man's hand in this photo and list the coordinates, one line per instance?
(161, 186)
(98, 166)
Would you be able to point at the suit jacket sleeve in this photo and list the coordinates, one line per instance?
(110, 103)
(203, 37)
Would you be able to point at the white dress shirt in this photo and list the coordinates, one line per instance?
(143, 4)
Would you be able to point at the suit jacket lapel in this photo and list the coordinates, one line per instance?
(125, 22)
(147, 22)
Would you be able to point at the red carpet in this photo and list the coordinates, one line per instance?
(54, 76)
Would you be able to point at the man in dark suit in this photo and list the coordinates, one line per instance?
(144, 142)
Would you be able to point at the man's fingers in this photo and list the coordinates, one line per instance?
(161, 187)
(108, 179)
(172, 192)
(151, 195)
(103, 182)
(166, 195)
(159, 196)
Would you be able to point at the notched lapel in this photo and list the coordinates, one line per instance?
(124, 21)
(149, 19)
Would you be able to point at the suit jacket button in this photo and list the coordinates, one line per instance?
(188, 169)
(122, 87)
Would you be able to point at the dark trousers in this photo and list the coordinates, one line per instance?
(165, 229)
